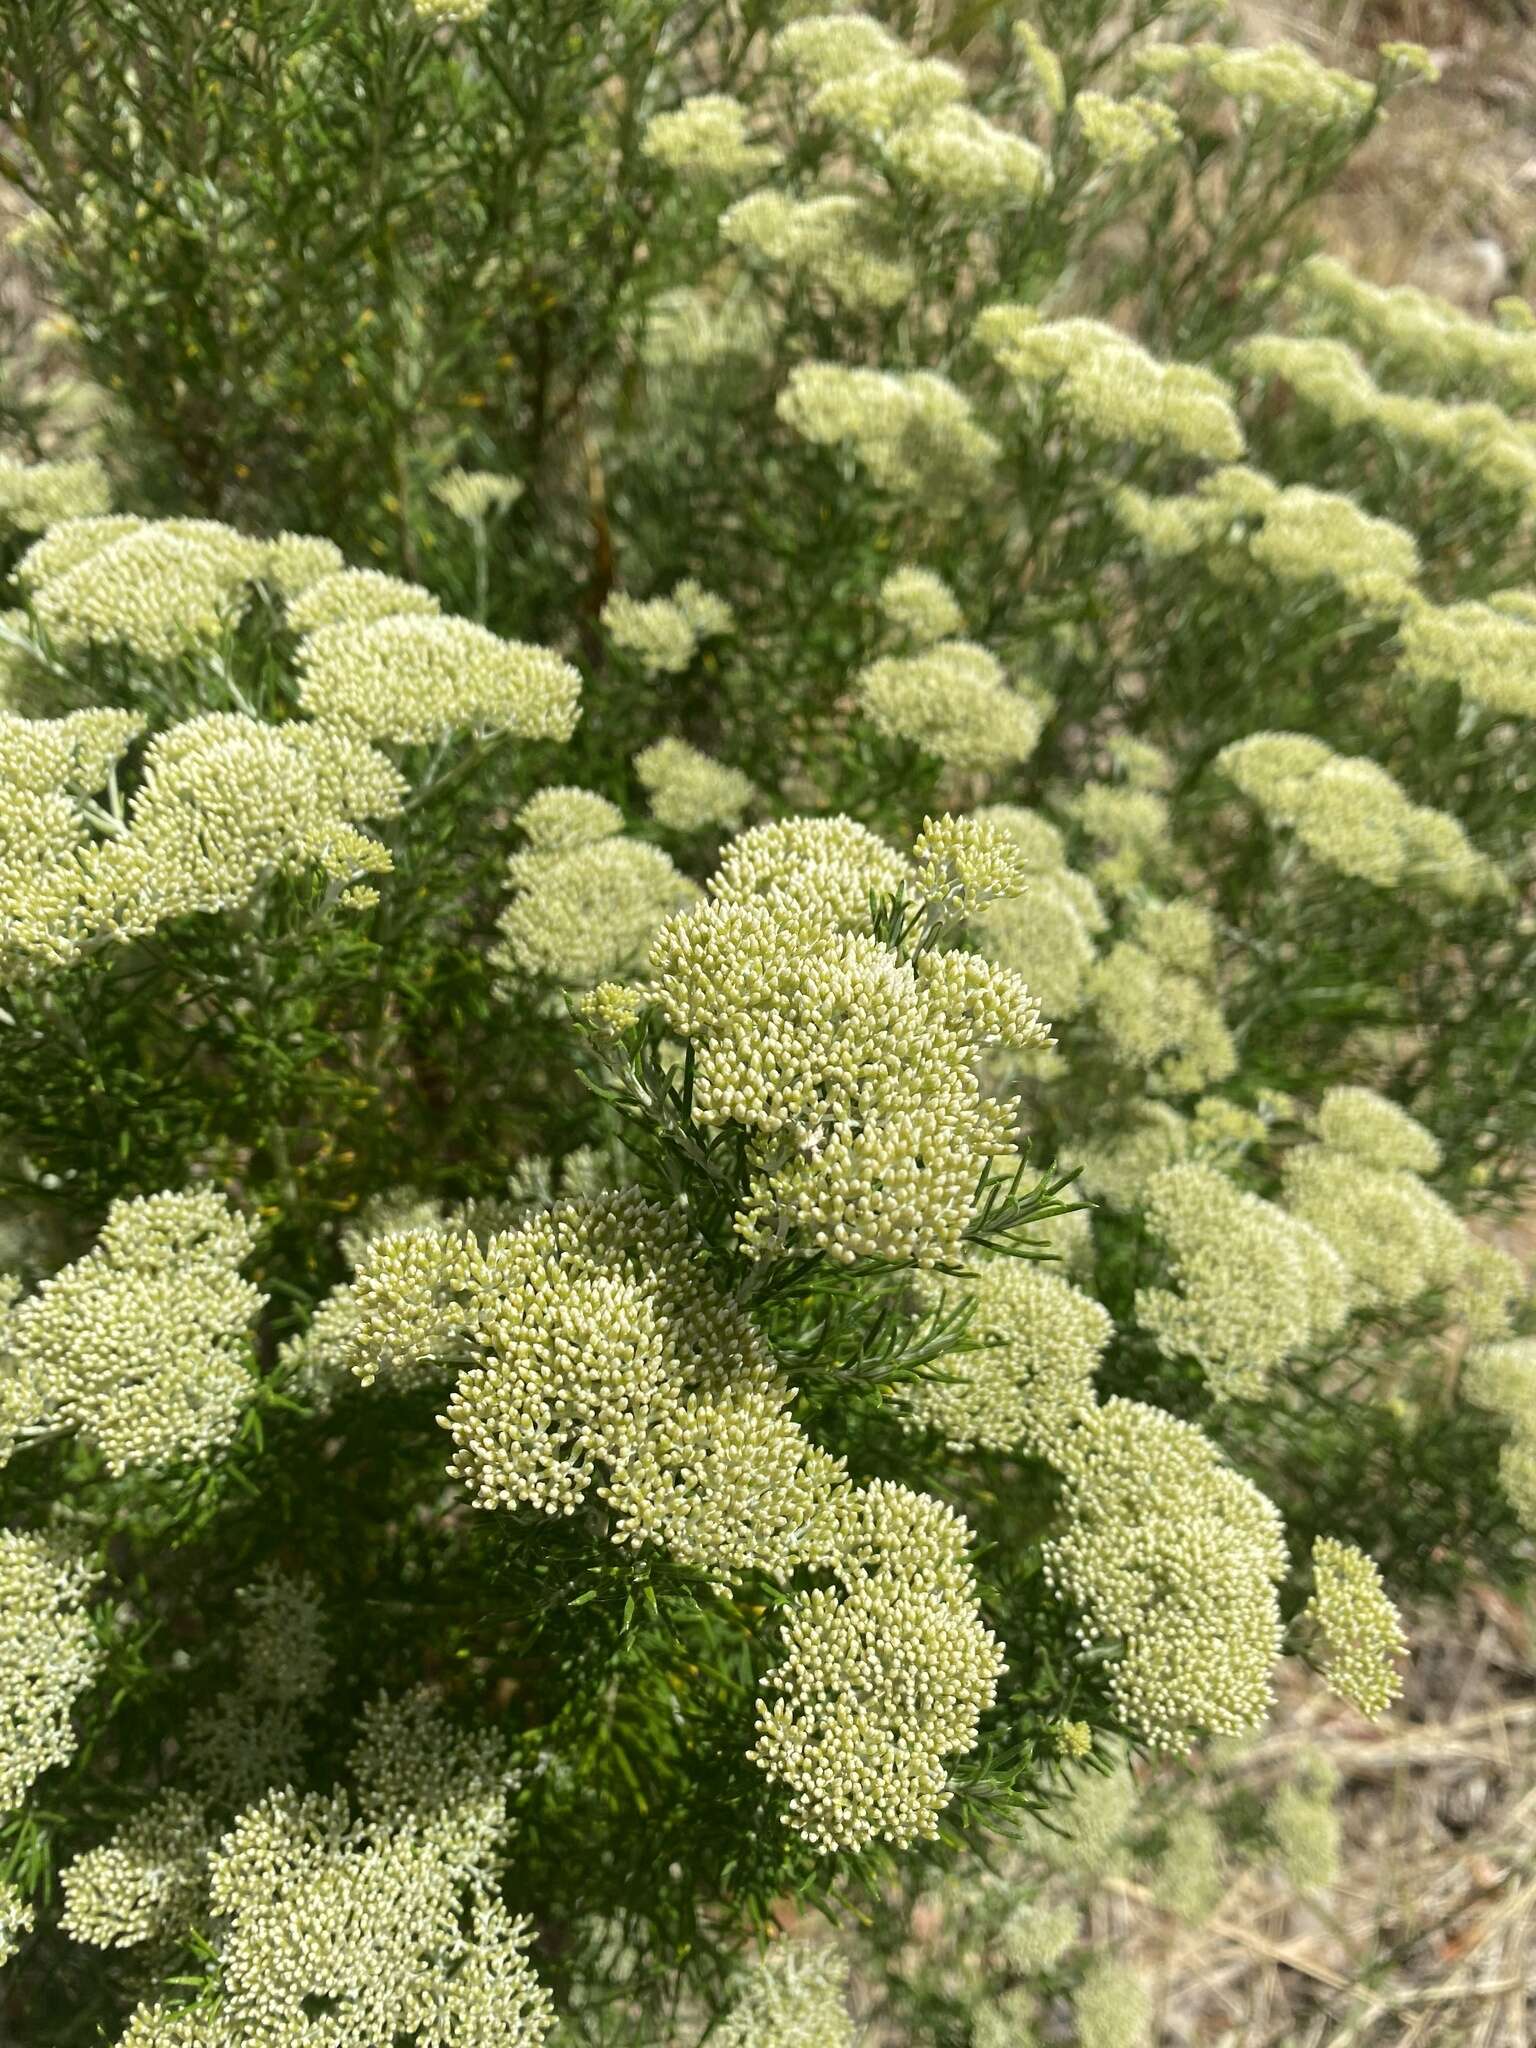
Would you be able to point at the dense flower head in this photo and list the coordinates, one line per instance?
(1111, 2006)
(1161, 1019)
(1487, 1290)
(70, 542)
(146, 1882)
(418, 679)
(1369, 1127)
(48, 1656)
(881, 99)
(1134, 826)
(1478, 440)
(142, 1345)
(851, 1071)
(606, 1361)
(381, 1913)
(1180, 935)
(166, 589)
(821, 47)
(913, 431)
(707, 137)
(953, 700)
(796, 1997)
(1489, 650)
(1413, 336)
(837, 240)
(16, 1919)
(964, 864)
(664, 633)
(1124, 132)
(688, 790)
(966, 160)
(1109, 388)
(1352, 816)
(555, 819)
(353, 597)
(1280, 84)
(223, 803)
(35, 495)
(1047, 933)
(823, 868)
(1177, 1556)
(1044, 66)
(883, 1676)
(474, 494)
(293, 561)
(1254, 1284)
(920, 604)
(1502, 1377)
(1396, 1236)
(1037, 1342)
(1362, 1637)
(1143, 765)
(585, 911)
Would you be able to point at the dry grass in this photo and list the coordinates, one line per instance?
(1429, 1938)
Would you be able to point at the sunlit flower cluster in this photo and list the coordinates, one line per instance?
(839, 241)
(473, 495)
(1124, 132)
(1108, 388)
(1161, 1017)
(921, 605)
(146, 1882)
(1280, 85)
(1352, 816)
(1488, 649)
(706, 137)
(913, 431)
(664, 633)
(413, 679)
(1361, 1635)
(1169, 1551)
(1414, 336)
(883, 1676)
(688, 791)
(796, 1997)
(1502, 1378)
(355, 597)
(1254, 1285)
(162, 589)
(1047, 933)
(953, 700)
(586, 902)
(35, 495)
(48, 1656)
(143, 1344)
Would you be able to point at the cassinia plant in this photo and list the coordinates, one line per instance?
(766, 820)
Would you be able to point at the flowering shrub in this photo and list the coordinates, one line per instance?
(766, 820)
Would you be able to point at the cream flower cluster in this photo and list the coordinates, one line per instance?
(159, 588)
(1353, 817)
(664, 633)
(1415, 337)
(883, 1676)
(224, 802)
(1154, 999)
(851, 1071)
(36, 495)
(356, 597)
(1395, 1235)
(1132, 825)
(837, 240)
(473, 495)
(1489, 650)
(706, 137)
(17, 1918)
(143, 1344)
(349, 1920)
(796, 1997)
(825, 869)
(1295, 534)
(912, 430)
(147, 1882)
(921, 606)
(1280, 84)
(1477, 439)
(1174, 1555)
(48, 1656)
(586, 903)
(688, 790)
(1107, 388)
(253, 1736)
(606, 1362)
(1372, 1129)
(1047, 933)
(953, 700)
(1502, 1377)
(414, 678)
(1038, 1342)
(1362, 1637)
(1124, 133)
(1254, 1285)
(1121, 1160)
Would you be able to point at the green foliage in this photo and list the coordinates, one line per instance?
(762, 975)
